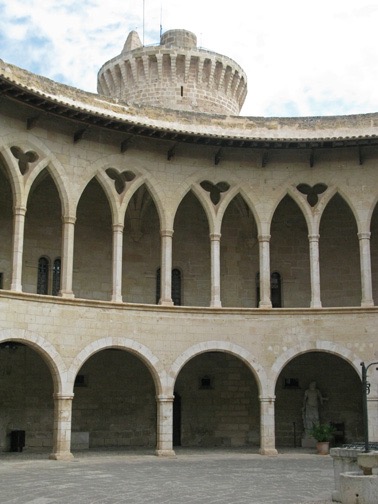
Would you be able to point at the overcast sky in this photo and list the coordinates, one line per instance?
(301, 57)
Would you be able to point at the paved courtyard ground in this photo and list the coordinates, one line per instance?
(193, 477)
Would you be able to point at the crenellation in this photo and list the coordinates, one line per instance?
(179, 63)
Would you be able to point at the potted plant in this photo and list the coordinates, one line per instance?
(322, 433)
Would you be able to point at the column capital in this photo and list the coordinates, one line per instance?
(166, 233)
(118, 228)
(269, 399)
(19, 210)
(263, 238)
(69, 219)
(313, 237)
(165, 398)
(215, 236)
(364, 236)
(63, 397)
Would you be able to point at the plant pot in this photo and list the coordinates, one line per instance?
(322, 447)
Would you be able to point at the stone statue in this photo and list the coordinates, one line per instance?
(312, 400)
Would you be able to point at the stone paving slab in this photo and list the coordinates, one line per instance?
(193, 477)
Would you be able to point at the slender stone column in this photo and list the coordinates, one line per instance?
(265, 301)
(18, 247)
(215, 270)
(314, 271)
(165, 426)
(365, 262)
(117, 262)
(267, 433)
(67, 256)
(62, 427)
(166, 267)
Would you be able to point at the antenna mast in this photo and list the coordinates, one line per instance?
(161, 19)
(143, 20)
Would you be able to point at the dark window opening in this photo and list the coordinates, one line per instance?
(275, 290)
(291, 383)
(175, 286)
(43, 276)
(205, 383)
(56, 276)
(182, 90)
(1, 280)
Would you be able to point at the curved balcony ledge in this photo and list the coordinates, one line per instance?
(152, 308)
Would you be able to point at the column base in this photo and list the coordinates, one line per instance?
(368, 303)
(61, 456)
(215, 304)
(316, 304)
(167, 302)
(117, 299)
(265, 304)
(270, 452)
(66, 294)
(16, 288)
(165, 453)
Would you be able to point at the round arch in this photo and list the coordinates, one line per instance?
(220, 346)
(46, 350)
(142, 352)
(320, 346)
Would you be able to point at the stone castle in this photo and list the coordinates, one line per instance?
(173, 274)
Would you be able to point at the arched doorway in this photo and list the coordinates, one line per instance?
(26, 397)
(114, 403)
(340, 273)
(141, 248)
(6, 229)
(239, 255)
(339, 385)
(191, 251)
(43, 237)
(219, 402)
(92, 276)
(289, 256)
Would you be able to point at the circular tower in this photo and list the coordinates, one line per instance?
(175, 74)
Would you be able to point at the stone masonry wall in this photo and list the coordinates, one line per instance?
(26, 398)
(335, 379)
(224, 414)
(117, 404)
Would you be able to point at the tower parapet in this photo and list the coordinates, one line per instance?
(175, 74)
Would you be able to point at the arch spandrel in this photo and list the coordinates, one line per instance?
(11, 172)
(220, 346)
(47, 160)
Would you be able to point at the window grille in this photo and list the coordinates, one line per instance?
(175, 286)
(56, 276)
(43, 276)
(275, 289)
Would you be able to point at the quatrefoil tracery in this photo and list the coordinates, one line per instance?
(24, 158)
(312, 192)
(120, 179)
(215, 190)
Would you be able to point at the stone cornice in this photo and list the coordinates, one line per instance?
(195, 310)
(95, 110)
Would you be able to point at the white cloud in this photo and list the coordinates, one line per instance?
(301, 58)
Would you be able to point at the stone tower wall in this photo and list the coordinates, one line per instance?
(176, 75)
